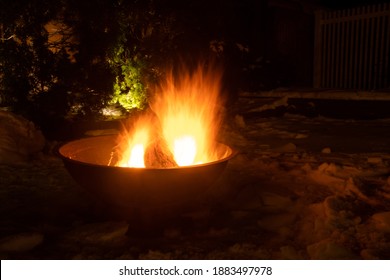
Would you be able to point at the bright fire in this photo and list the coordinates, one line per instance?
(181, 128)
(184, 150)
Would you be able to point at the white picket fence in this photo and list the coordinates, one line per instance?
(352, 48)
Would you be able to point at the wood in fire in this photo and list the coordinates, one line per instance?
(157, 153)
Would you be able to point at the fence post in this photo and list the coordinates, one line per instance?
(317, 60)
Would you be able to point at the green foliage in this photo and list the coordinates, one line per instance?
(107, 55)
(46, 79)
(27, 65)
(128, 89)
(144, 38)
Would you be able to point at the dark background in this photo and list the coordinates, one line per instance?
(261, 45)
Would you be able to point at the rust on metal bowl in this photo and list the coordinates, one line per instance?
(87, 161)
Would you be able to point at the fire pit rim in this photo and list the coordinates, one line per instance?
(232, 154)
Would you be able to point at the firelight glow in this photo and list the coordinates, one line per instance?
(184, 150)
(182, 129)
(135, 148)
(137, 156)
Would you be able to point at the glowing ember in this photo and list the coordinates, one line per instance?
(182, 129)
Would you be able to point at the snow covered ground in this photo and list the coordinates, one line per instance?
(299, 188)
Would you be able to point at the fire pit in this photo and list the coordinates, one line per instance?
(142, 188)
(164, 158)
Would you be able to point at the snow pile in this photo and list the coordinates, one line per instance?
(282, 102)
(305, 196)
(19, 139)
(321, 94)
(349, 223)
(20, 242)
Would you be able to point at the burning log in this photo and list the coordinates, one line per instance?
(158, 155)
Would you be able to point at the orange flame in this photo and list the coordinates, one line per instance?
(187, 120)
(132, 146)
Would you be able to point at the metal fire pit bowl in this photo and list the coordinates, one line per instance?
(138, 188)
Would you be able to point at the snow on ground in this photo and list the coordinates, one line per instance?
(19, 139)
(299, 188)
(332, 94)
